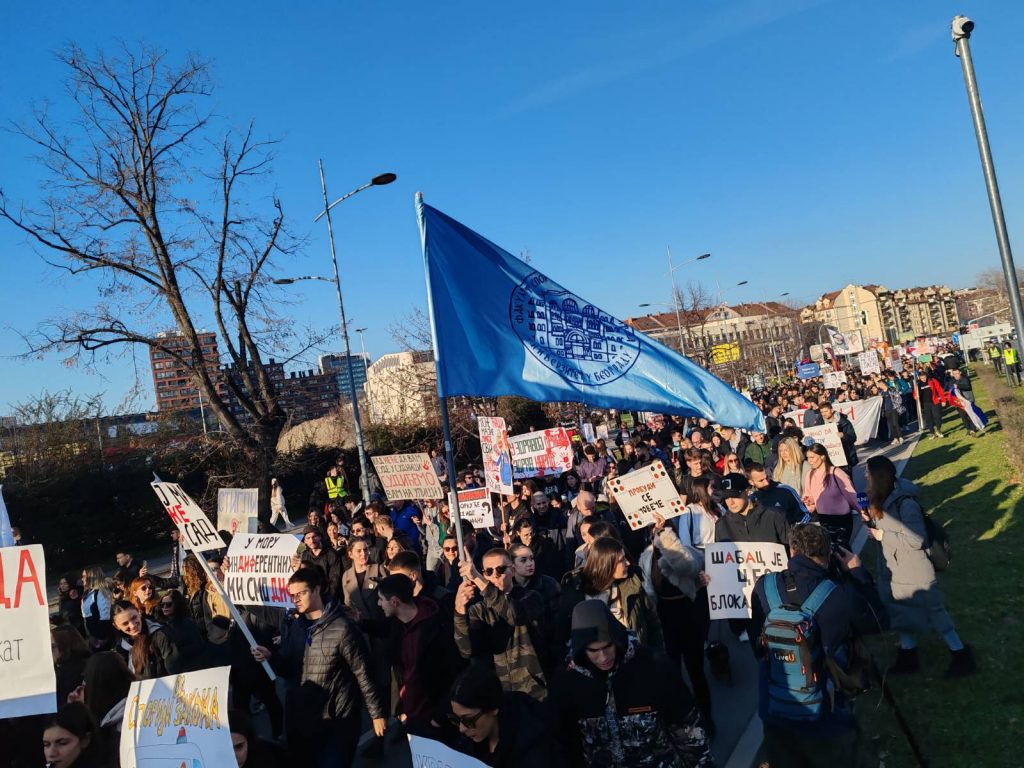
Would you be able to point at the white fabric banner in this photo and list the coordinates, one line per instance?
(258, 569)
(864, 415)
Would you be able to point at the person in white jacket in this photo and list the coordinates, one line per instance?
(277, 506)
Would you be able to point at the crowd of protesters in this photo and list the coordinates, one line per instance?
(556, 636)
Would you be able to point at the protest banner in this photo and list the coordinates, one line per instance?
(178, 720)
(475, 506)
(6, 530)
(588, 432)
(497, 459)
(865, 416)
(601, 430)
(733, 570)
(833, 379)
(869, 362)
(645, 491)
(808, 371)
(845, 343)
(238, 510)
(194, 526)
(427, 753)
(407, 476)
(28, 683)
(828, 435)
(258, 567)
(534, 454)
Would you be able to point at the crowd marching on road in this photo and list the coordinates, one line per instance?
(558, 634)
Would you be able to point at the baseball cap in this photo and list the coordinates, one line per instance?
(733, 486)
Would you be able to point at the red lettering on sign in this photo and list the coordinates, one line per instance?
(27, 575)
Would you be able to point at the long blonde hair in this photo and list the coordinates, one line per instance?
(95, 579)
(792, 446)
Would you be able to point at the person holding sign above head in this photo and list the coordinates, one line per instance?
(324, 711)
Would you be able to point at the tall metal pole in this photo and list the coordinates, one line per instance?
(675, 302)
(962, 28)
(364, 478)
(366, 368)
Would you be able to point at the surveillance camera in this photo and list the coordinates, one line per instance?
(962, 27)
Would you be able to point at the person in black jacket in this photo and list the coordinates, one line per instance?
(847, 434)
(747, 520)
(500, 729)
(324, 558)
(335, 671)
(175, 616)
(150, 649)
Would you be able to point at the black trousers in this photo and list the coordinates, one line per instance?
(684, 623)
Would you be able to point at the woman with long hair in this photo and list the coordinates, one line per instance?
(193, 579)
(142, 594)
(96, 608)
(70, 738)
(104, 690)
(907, 582)
(828, 494)
(608, 576)
(789, 469)
(70, 652)
(176, 619)
(150, 651)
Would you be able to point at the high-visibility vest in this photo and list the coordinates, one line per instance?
(1010, 356)
(993, 352)
(335, 487)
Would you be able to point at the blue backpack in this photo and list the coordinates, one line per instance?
(797, 674)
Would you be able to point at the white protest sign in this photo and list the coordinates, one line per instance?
(897, 366)
(828, 435)
(178, 720)
(427, 753)
(869, 362)
(601, 431)
(258, 567)
(407, 476)
(588, 432)
(541, 453)
(864, 415)
(833, 379)
(733, 569)
(645, 491)
(237, 510)
(28, 684)
(497, 459)
(193, 525)
(475, 506)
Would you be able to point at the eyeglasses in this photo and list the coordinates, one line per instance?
(450, 549)
(501, 570)
(300, 593)
(466, 721)
(145, 588)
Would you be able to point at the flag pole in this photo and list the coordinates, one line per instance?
(449, 455)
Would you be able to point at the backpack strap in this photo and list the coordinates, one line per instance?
(820, 594)
(771, 592)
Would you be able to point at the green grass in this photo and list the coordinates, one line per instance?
(970, 487)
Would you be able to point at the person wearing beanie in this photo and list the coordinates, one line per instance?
(619, 703)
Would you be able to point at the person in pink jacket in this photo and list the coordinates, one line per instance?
(829, 495)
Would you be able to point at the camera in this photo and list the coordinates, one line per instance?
(962, 27)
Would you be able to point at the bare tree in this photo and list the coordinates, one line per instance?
(139, 195)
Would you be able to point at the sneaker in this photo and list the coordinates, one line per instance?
(962, 664)
(908, 661)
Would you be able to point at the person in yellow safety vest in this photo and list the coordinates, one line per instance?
(996, 356)
(335, 483)
(1012, 361)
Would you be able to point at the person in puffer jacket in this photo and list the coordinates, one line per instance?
(619, 703)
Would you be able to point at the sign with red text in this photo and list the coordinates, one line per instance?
(644, 492)
(546, 452)
(258, 567)
(733, 569)
(28, 684)
(178, 720)
(407, 476)
(237, 510)
(497, 459)
(194, 526)
(475, 506)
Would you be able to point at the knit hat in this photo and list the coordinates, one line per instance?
(592, 622)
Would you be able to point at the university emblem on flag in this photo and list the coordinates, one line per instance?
(570, 336)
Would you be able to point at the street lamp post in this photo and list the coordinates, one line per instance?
(675, 292)
(362, 348)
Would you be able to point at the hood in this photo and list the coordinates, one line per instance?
(592, 622)
(427, 610)
(331, 612)
(115, 715)
(903, 489)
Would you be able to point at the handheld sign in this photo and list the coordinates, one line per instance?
(194, 526)
(427, 752)
(733, 569)
(497, 460)
(869, 362)
(28, 684)
(645, 491)
(407, 476)
(237, 510)
(828, 435)
(178, 720)
(535, 454)
(475, 506)
(833, 379)
(258, 567)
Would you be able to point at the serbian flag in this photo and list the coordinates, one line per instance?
(974, 413)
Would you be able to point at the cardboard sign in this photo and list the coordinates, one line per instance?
(869, 362)
(433, 754)
(589, 434)
(475, 506)
(833, 379)
(28, 684)
(541, 453)
(645, 491)
(734, 569)
(237, 510)
(178, 720)
(407, 476)
(828, 435)
(194, 526)
(258, 568)
(497, 459)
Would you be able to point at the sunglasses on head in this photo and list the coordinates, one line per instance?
(501, 570)
(467, 721)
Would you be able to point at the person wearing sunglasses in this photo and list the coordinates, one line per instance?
(175, 617)
(447, 569)
(526, 575)
(498, 727)
(493, 619)
(142, 594)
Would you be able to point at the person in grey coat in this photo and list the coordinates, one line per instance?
(907, 581)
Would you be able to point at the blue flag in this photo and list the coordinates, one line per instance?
(503, 328)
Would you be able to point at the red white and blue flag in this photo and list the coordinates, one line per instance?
(974, 413)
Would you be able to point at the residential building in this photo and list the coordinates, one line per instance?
(401, 388)
(172, 379)
(982, 306)
(338, 366)
(304, 394)
(853, 310)
(911, 312)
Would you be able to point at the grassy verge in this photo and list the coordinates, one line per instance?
(971, 487)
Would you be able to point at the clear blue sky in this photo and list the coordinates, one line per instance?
(804, 144)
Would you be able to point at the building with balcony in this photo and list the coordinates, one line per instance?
(172, 380)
